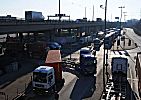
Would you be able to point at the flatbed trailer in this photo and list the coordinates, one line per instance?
(116, 87)
(138, 71)
(115, 90)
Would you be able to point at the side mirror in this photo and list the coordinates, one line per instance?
(135, 57)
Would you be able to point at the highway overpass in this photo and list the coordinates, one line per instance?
(22, 27)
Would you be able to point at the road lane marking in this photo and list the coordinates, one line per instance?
(131, 84)
(132, 79)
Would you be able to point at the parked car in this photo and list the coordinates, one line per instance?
(54, 46)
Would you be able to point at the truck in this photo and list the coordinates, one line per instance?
(98, 19)
(88, 62)
(97, 43)
(100, 35)
(33, 16)
(47, 78)
(87, 39)
(116, 87)
(138, 71)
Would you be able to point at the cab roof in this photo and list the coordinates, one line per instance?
(85, 49)
(88, 55)
(43, 69)
(139, 56)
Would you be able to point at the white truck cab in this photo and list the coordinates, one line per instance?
(85, 50)
(43, 79)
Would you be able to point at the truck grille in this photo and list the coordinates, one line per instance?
(39, 85)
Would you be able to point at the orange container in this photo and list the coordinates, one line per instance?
(54, 60)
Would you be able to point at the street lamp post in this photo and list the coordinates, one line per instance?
(104, 49)
(107, 74)
(59, 12)
(124, 16)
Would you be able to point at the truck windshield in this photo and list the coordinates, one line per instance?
(90, 62)
(39, 77)
(85, 52)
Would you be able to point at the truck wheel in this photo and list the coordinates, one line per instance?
(63, 81)
(56, 96)
(85, 73)
(35, 92)
(139, 94)
(53, 89)
(77, 67)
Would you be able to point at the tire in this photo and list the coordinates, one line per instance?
(63, 81)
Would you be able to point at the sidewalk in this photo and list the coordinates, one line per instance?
(16, 82)
(124, 44)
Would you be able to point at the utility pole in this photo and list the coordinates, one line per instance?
(140, 13)
(85, 12)
(93, 14)
(111, 18)
(59, 12)
(104, 85)
(121, 15)
(124, 16)
(104, 89)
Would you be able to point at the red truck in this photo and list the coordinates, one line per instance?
(48, 77)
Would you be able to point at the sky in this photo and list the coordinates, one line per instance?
(74, 8)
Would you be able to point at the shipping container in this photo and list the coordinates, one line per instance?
(54, 59)
(33, 16)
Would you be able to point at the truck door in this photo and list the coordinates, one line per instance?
(50, 79)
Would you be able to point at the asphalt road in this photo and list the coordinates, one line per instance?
(134, 37)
